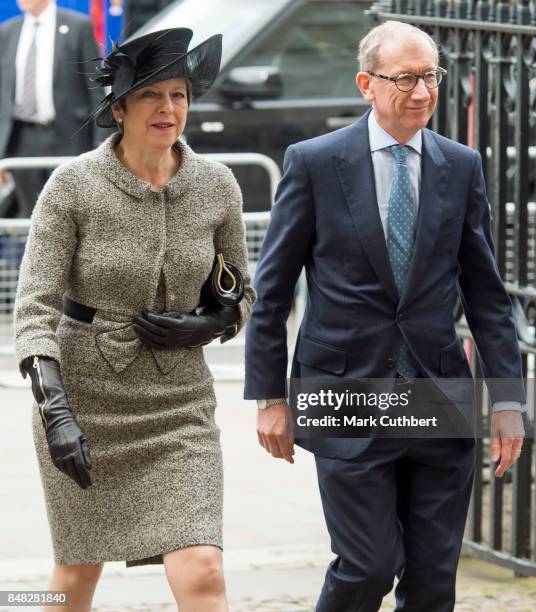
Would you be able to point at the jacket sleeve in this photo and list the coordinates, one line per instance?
(486, 304)
(45, 270)
(230, 239)
(283, 255)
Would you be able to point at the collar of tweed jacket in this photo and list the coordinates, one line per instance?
(128, 182)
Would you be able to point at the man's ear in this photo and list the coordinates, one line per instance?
(363, 81)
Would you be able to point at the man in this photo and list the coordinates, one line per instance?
(390, 221)
(45, 93)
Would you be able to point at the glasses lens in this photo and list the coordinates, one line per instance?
(432, 79)
(406, 82)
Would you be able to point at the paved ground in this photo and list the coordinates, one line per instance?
(276, 544)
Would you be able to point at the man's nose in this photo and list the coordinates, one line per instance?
(420, 90)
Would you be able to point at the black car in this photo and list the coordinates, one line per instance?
(288, 73)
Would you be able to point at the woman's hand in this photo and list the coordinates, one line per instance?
(179, 330)
(66, 442)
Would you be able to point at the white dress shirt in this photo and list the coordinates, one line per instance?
(45, 37)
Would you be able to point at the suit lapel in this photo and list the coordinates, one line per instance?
(435, 171)
(356, 175)
(11, 52)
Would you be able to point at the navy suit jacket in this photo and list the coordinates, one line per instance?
(326, 219)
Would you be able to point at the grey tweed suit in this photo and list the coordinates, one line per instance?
(102, 236)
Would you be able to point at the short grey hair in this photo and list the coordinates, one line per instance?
(369, 46)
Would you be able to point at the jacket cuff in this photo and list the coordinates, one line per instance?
(266, 403)
(43, 348)
(502, 406)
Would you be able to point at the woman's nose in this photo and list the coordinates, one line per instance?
(167, 104)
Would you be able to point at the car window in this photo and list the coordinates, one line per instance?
(237, 20)
(315, 49)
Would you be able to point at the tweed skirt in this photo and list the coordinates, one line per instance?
(157, 468)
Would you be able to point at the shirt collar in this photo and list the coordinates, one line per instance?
(128, 182)
(46, 17)
(380, 139)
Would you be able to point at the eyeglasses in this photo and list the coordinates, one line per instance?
(408, 81)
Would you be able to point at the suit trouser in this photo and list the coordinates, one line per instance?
(398, 509)
(30, 140)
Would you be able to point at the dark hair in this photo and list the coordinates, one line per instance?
(188, 91)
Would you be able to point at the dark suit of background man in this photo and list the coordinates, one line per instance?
(390, 221)
(139, 12)
(45, 93)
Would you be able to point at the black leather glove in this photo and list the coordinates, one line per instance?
(66, 441)
(177, 330)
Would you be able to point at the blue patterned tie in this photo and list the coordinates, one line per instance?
(400, 240)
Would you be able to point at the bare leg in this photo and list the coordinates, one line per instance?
(195, 575)
(79, 582)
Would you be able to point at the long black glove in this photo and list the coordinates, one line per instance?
(178, 330)
(66, 442)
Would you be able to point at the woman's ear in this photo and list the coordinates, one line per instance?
(117, 113)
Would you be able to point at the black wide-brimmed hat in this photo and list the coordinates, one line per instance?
(155, 57)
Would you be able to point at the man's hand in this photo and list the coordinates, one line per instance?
(507, 433)
(3, 177)
(274, 431)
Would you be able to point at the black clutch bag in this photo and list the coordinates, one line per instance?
(224, 286)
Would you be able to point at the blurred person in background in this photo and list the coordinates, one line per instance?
(126, 236)
(45, 92)
(139, 12)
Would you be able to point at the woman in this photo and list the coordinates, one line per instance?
(124, 426)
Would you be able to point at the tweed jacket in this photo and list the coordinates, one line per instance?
(101, 236)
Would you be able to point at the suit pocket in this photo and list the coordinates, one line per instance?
(451, 357)
(318, 354)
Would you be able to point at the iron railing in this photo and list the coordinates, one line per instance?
(488, 101)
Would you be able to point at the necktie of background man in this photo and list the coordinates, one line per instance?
(28, 106)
